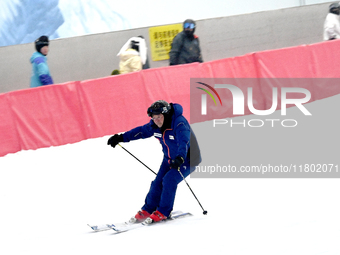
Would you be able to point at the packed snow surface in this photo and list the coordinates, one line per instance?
(48, 196)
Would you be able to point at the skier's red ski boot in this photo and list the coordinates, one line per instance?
(156, 216)
(139, 217)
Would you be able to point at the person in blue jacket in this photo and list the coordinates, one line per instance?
(181, 153)
(40, 71)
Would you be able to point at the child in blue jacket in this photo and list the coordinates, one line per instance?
(40, 71)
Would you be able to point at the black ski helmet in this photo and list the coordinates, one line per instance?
(41, 42)
(192, 25)
(159, 107)
(334, 8)
(134, 45)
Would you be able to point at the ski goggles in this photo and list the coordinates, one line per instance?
(39, 43)
(189, 25)
(157, 111)
(152, 112)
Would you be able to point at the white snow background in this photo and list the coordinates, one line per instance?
(48, 196)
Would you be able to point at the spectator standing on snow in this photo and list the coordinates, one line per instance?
(332, 23)
(40, 71)
(181, 153)
(132, 55)
(185, 46)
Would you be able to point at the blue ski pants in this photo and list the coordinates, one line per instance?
(161, 195)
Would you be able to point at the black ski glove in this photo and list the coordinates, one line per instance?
(115, 139)
(177, 162)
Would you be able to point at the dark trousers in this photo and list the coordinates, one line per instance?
(162, 192)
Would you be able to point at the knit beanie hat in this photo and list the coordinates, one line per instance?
(41, 42)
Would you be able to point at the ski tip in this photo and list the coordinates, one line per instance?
(94, 228)
(110, 226)
(182, 215)
(176, 212)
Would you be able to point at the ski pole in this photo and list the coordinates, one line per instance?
(204, 211)
(137, 159)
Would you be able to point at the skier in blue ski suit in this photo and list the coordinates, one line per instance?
(181, 153)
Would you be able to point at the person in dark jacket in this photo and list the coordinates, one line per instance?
(181, 153)
(185, 46)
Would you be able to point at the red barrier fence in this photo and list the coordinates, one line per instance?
(67, 113)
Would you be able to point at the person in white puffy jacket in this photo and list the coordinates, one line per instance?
(332, 23)
(132, 55)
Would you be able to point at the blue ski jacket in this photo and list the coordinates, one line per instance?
(177, 140)
(40, 71)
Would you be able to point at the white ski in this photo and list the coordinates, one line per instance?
(125, 226)
(128, 227)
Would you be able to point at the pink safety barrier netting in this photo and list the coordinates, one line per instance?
(67, 113)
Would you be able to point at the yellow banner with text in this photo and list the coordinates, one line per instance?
(161, 39)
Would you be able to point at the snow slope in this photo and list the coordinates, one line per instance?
(89, 17)
(48, 197)
(24, 21)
